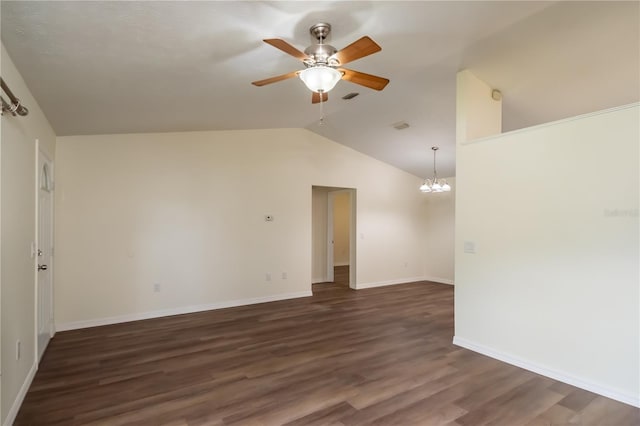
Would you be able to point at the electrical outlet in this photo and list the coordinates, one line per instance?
(157, 287)
(18, 349)
(284, 275)
(267, 276)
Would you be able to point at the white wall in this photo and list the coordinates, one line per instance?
(17, 232)
(440, 229)
(341, 232)
(186, 210)
(554, 283)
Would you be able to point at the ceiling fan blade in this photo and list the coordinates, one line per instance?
(315, 97)
(356, 50)
(286, 48)
(367, 80)
(275, 79)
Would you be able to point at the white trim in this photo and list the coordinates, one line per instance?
(17, 403)
(439, 280)
(551, 123)
(178, 311)
(561, 376)
(360, 286)
(341, 263)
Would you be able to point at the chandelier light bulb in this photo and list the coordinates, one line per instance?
(320, 79)
(425, 187)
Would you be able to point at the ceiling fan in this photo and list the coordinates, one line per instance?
(323, 63)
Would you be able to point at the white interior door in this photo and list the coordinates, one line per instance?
(45, 228)
(330, 201)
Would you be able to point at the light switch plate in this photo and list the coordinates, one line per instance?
(469, 247)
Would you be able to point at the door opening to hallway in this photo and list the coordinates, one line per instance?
(333, 235)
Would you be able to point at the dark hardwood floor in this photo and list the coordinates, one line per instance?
(341, 275)
(340, 278)
(381, 356)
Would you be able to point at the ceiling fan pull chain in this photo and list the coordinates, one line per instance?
(321, 110)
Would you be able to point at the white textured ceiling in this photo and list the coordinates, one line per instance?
(156, 66)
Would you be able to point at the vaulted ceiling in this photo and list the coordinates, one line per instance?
(156, 66)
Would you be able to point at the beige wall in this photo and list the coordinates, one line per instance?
(553, 285)
(186, 211)
(440, 227)
(341, 219)
(17, 233)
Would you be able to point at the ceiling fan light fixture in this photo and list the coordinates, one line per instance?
(320, 78)
(323, 63)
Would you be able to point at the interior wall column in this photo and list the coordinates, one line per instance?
(478, 114)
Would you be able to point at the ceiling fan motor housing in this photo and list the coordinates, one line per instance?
(320, 54)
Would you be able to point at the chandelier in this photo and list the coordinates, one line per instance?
(435, 184)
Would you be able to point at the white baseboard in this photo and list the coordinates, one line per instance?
(178, 311)
(439, 280)
(561, 376)
(341, 263)
(17, 403)
(361, 286)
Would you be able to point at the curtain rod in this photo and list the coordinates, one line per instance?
(15, 106)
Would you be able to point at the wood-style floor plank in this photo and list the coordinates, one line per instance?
(380, 356)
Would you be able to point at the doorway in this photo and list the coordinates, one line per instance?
(333, 235)
(44, 289)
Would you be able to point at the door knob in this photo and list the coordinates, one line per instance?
(42, 267)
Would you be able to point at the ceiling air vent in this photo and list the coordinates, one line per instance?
(350, 96)
(400, 125)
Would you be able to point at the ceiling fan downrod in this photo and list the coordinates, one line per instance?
(320, 53)
(320, 31)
